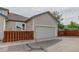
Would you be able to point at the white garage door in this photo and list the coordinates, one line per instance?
(45, 32)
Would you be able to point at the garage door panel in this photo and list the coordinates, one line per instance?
(45, 32)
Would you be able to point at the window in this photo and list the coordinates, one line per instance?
(20, 25)
(3, 12)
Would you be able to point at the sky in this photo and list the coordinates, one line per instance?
(68, 13)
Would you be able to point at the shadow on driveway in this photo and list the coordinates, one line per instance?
(46, 44)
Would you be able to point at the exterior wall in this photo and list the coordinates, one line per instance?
(2, 27)
(29, 25)
(45, 19)
(56, 31)
(10, 26)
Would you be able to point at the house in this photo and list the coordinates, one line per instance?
(14, 27)
(44, 26)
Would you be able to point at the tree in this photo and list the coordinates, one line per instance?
(57, 15)
(73, 25)
(60, 26)
(59, 18)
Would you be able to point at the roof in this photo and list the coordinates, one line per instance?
(47, 12)
(4, 8)
(3, 15)
(16, 17)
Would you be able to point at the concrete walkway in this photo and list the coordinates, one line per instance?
(67, 44)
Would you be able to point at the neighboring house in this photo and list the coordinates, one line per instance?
(11, 22)
(42, 27)
(3, 16)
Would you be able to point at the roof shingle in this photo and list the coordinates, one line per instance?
(16, 17)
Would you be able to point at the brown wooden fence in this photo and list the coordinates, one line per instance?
(68, 33)
(11, 36)
(61, 33)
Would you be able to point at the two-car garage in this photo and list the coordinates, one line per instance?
(45, 32)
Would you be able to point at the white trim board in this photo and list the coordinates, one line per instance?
(45, 26)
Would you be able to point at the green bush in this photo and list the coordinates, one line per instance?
(72, 26)
(60, 26)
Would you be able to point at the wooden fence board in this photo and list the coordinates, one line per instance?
(68, 33)
(11, 36)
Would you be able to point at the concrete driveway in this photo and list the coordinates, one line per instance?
(65, 44)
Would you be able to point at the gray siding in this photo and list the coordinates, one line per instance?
(45, 19)
(2, 27)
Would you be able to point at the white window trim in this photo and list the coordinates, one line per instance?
(33, 25)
